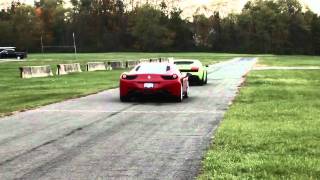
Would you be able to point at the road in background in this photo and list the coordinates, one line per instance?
(99, 137)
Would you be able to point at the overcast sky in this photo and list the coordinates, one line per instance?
(224, 6)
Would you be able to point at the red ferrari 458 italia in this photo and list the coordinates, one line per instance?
(154, 79)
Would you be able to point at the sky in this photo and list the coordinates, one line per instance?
(227, 6)
(224, 6)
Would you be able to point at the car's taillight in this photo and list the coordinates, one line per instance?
(131, 77)
(174, 76)
(128, 77)
(124, 76)
(170, 77)
(195, 69)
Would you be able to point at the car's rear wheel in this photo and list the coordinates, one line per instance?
(124, 98)
(206, 78)
(180, 98)
(201, 81)
(186, 94)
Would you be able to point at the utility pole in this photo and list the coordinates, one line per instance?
(74, 45)
(41, 44)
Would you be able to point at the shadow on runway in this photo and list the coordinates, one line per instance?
(152, 99)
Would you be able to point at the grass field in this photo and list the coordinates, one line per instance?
(272, 60)
(85, 57)
(19, 94)
(271, 131)
(206, 58)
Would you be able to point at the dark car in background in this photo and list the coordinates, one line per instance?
(10, 52)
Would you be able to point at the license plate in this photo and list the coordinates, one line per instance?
(148, 85)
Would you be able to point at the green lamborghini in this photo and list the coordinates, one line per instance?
(195, 68)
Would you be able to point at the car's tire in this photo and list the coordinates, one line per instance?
(179, 98)
(206, 78)
(186, 94)
(125, 99)
(201, 81)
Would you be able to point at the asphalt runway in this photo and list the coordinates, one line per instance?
(98, 137)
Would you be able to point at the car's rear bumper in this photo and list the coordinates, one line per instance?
(196, 76)
(136, 88)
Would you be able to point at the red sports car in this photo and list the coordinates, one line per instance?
(154, 79)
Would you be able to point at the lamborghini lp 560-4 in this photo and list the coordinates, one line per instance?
(198, 72)
(159, 79)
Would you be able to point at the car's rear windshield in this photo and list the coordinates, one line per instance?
(183, 62)
(152, 68)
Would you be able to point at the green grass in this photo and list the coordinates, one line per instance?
(85, 57)
(19, 94)
(271, 131)
(273, 60)
(206, 58)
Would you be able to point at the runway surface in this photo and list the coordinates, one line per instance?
(98, 137)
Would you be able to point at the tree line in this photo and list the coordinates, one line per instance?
(263, 26)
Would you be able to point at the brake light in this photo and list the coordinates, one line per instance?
(174, 76)
(132, 77)
(170, 77)
(129, 77)
(195, 69)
